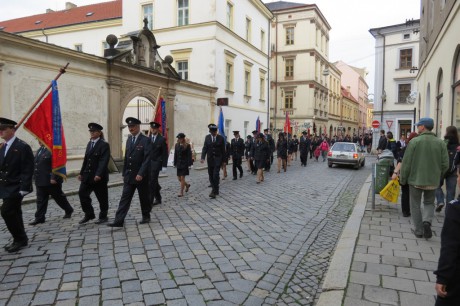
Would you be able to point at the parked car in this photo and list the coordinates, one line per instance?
(346, 153)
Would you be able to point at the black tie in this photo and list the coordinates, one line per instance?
(92, 145)
(134, 140)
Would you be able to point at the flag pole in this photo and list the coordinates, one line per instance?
(155, 108)
(61, 72)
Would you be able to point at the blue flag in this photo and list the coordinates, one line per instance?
(220, 125)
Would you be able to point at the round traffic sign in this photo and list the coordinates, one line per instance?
(375, 124)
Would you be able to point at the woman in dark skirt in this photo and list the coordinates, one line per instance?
(261, 156)
(182, 162)
(281, 151)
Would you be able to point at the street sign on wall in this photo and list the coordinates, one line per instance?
(375, 124)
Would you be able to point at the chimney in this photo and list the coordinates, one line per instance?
(70, 5)
(49, 11)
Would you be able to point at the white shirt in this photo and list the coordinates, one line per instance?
(9, 143)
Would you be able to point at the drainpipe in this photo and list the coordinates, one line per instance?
(276, 70)
(383, 79)
(268, 77)
(46, 36)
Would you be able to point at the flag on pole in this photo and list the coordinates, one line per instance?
(258, 124)
(45, 124)
(221, 126)
(287, 124)
(160, 117)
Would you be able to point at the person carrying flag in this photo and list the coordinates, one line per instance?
(158, 162)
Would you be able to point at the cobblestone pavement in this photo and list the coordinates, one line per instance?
(390, 265)
(266, 244)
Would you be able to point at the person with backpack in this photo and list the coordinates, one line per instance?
(324, 147)
(450, 178)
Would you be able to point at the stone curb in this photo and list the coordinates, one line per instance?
(336, 279)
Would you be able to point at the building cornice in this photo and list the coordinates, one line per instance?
(262, 8)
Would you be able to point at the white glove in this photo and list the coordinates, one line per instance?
(163, 169)
(23, 193)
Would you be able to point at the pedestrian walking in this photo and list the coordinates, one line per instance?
(450, 178)
(281, 152)
(237, 147)
(94, 175)
(182, 162)
(136, 170)
(247, 152)
(383, 142)
(16, 171)
(214, 150)
(425, 162)
(304, 146)
(251, 154)
(48, 184)
(271, 145)
(295, 147)
(261, 156)
(158, 161)
(324, 147)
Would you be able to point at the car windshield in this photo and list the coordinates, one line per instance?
(344, 147)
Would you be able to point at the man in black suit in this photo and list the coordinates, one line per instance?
(48, 184)
(255, 135)
(237, 152)
(214, 148)
(16, 171)
(158, 161)
(135, 174)
(304, 147)
(94, 175)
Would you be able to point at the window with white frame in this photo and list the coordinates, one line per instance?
(289, 67)
(248, 29)
(182, 12)
(262, 88)
(182, 69)
(229, 15)
(403, 92)
(245, 130)
(247, 82)
(147, 12)
(290, 36)
(229, 77)
(262, 40)
(288, 99)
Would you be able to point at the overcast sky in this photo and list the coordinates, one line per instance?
(350, 20)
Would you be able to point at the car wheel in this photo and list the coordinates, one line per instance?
(357, 166)
(330, 165)
(363, 163)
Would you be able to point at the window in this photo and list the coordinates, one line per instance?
(248, 29)
(182, 69)
(229, 16)
(403, 92)
(262, 40)
(182, 12)
(406, 36)
(405, 59)
(247, 83)
(262, 88)
(246, 125)
(79, 47)
(229, 77)
(289, 68)
(290, 36)
(147, 12)
(288, 99)
(227, 128)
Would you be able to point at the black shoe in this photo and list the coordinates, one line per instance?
(212, 195)
(86, 218)
(35, 222)
(7, 246)
(101, 220)
(17, 246)
(115, 224)
(241, 174)
(156, 202)
(405, 215)
(145, 220)
(234, 178)
(427, 233)
(209, 186)
(68, 215)
(439, 207)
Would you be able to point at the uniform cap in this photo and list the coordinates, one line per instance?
(132, 121)
(180, 135)
(236, 132)
(248, 137)
(261, 135)
(304, 132)
(4, 122)
(265, 130)
(212, 126)
(154, 125)
(94, 127)
(254, 132)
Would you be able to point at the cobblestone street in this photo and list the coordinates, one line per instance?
(266, 244)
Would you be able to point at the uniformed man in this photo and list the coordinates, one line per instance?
(16, 171)
(135, 174)
(214, 148)
(237, 152)
(48, 184)
(271, 144)
(94, 175)
(304, 147)
(158, 162)
(255, 135)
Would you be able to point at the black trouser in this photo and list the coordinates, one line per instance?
(312, 151)
(405, 199)
(271, 159)
(213, 172)
(127, 196)
(43, 193)
(237, 165)
(252, 166)
(303, 159)
(12, 215)
(154, 186)
(102, 194)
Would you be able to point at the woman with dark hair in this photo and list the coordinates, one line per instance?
(281, 151)
(452, 142)
(405, 204)
(182, 162)
(261, 156)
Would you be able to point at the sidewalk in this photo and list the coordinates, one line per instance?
(390, 266)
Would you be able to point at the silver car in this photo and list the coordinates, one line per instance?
(346, 153)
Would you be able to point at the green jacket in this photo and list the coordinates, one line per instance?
(425, 161)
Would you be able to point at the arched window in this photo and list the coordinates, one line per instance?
(439, 95)
(456, 88)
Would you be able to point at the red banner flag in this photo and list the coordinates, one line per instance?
(45, 123)
(160, 117)
(287, 124)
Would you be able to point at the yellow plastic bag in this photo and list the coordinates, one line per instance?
(391, 191)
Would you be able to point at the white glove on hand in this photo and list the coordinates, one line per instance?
(23, 193)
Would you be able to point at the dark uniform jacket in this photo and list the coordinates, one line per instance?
(271, 143)
(304, 145)
(237, 148)
(16, 170)
(281, 149)
(382, 143)
(96, 162)
(214, 150)
(182, 156)
(137, 159)
(42, 171)
(261, 151)
(159, 153)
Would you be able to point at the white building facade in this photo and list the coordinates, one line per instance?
(396, 59)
